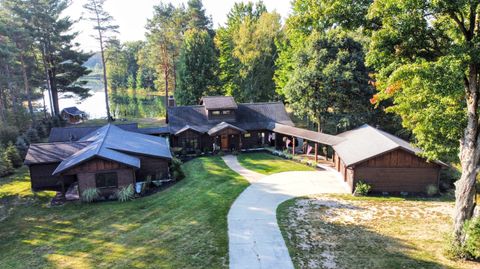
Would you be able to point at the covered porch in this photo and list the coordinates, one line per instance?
(226, 137)
(312, 145)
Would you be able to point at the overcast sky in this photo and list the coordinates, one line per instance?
(132, 15)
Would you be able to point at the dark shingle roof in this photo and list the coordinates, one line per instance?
(188, 127)
(222, 126)
(254, 116)
(321, 138)
(154, 130)
(366, 142)
(52, 152)
(219, 102)
(74, 111)
(68, 134)
(113, 143)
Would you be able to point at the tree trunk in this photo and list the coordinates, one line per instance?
(54, 91)
(47, 80)
(2, 106)
(319, 124)
(105, 83)
(28, 91)
(13, 93)
(469, 156)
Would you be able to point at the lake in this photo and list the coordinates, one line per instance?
(124, 103)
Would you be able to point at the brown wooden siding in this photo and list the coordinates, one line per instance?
(154, 167)
(125, 176)
(95, 165)
(42, 179)
(395, 171)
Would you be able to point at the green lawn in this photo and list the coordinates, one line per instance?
(333, 231)
(184, 226)
(268, 164)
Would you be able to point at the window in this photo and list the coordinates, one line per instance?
(189, 141)
(106, 180)
(216, 112)
(226, 112)
(247, 135)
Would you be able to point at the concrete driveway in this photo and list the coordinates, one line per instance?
(255, 240)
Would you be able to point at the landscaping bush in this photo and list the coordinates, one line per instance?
(32, 136)
(362, 189)
(176, 167)
(431, 190)
(91, 194)
(472, 239)
(41, 130)
(22, 146)
(6, 167)
(11, 153)
(125, 193)
(8, 134)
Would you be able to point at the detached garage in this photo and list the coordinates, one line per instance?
(386, 162)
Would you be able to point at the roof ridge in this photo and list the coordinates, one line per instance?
(59, 142)
(262, 103)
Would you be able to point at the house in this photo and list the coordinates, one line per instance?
(368, 154)
(73, 115)
(108, 158)
(386, 162)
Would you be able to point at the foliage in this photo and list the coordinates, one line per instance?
(125, 193)
(431, 190)
(12, 154)
(22, 146)
(90, 194)
(176, 168)
(6, 167)
(330, 79)
(472, 242)
(362, 189)
(197, 67)
(7, 134)
(32, 136)
(248, 52)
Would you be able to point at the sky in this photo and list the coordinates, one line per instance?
(131, 16)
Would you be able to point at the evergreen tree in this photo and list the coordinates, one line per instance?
(197, 65)
(197, 19)
(13, 155)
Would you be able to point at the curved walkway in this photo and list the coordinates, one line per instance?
(255, 240)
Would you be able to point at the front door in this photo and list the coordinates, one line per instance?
(224, 142)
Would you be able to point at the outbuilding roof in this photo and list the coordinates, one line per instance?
(52, 152)
(112, 143)
(219, 102)
(74, 111)
(366, 142)
(321, 138)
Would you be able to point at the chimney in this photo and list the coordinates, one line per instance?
(171, 101)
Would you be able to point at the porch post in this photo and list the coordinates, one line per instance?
(316, 152)
(293, 145)
(240, 142)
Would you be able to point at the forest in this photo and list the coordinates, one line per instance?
(409, 67)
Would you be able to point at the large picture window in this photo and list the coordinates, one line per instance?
(189, 141)
(106, 180)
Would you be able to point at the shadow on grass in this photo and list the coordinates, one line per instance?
(315, 240)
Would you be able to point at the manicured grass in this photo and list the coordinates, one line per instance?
(268, 164)
(335, 232)
(184, 226)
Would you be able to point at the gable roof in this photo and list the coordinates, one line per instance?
(112, 143)
(74, 111)
(321, 138)
(188, 127)
(69, 134)
(52, 152)
(255, 116)
(366, 142)
(222, 126)
(218, 102)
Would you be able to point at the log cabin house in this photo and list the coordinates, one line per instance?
(366, 154)
(107, 159)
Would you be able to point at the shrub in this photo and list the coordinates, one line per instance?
(431, 190)
(32, 136)
(12, 154)
(176, 167)
(362, 189)
(41, 131)
(125, 193)
(235, 152)
(8, 134)
(221, 153)
(6, 167)
(91, 194)
(22, 146)
(472, 238)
